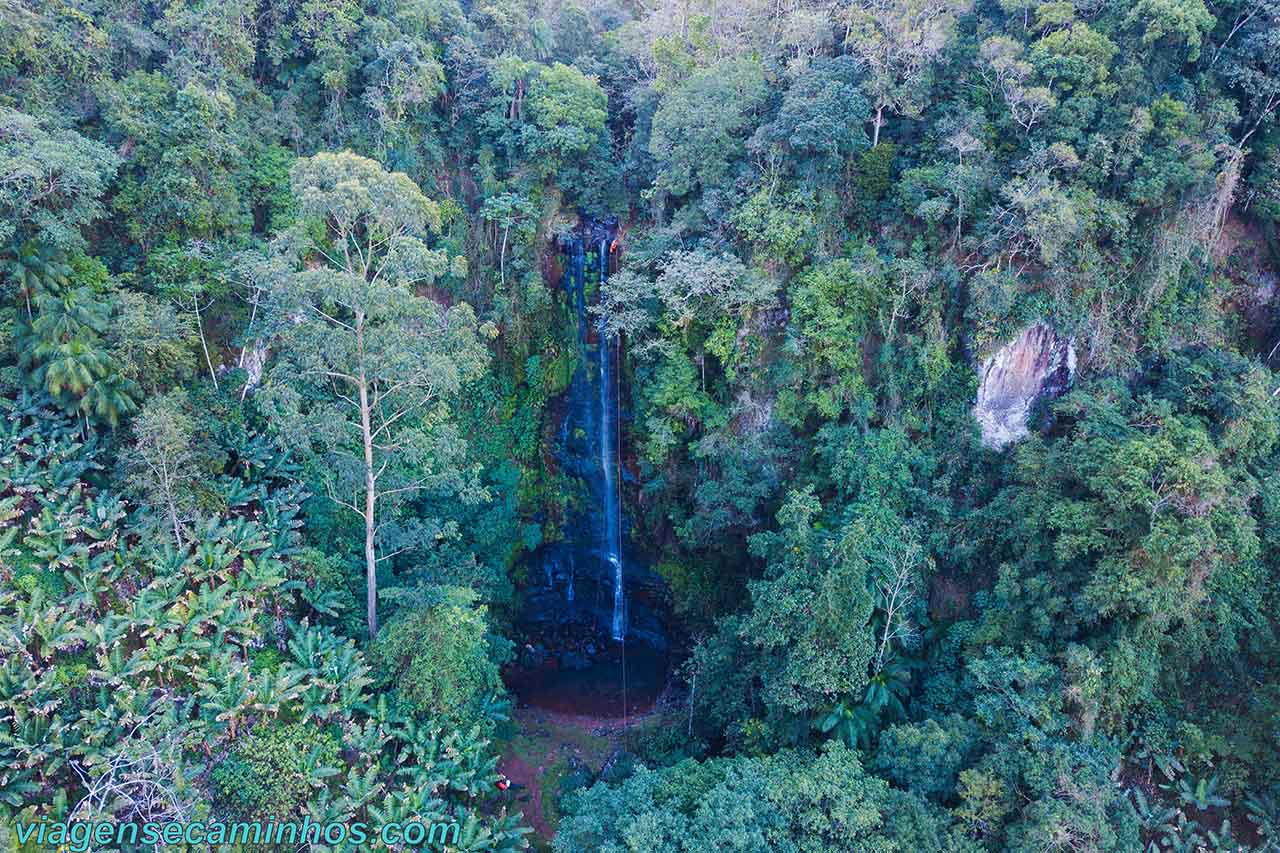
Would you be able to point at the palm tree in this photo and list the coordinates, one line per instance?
(71, 314)
(64, 347)
(111, 399)
(69, 369)
(37, 269)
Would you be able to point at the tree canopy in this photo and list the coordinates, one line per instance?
(927, 349)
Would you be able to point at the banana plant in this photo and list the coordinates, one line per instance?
(149, 616)
(161, 656)
(1263, 810)
(463, 757)
(1184, 837)
(49, 540)
(17, 683)
(327, 602)
(409, 803)
(274, 693)
(227, 698)
(18, 786)
(86, 589)
(108, 632)
(209, 606)
(40, 741)
(243, 535)
(236, 493)
(1200, 794)
(104, 513)
(361, 789)
(1156, 820)
(366, 737)
(324, 809)
(10, 509)
(502, 833)
(317, 704)
(348, 673)
(1221, 840)
(316, 772)
(49, 629)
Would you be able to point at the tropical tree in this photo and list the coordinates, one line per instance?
(51, 182)
(810, 615)
(367, 361)
(161, 464)
(897, 42)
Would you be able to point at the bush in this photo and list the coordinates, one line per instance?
(440, 656)
(267, 774)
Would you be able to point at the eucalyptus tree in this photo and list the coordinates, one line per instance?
(367, 360)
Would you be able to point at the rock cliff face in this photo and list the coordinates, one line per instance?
(1040, 363)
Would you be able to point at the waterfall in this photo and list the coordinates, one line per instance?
(601, 597)
(612, 544)
(573, 571)
(589, 442)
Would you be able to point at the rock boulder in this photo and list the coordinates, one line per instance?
(1040, 363)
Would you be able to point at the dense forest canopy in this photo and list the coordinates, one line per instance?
(947, 420)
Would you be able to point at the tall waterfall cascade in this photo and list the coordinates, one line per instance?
(604, 418)
(611, 546)
(592, 590)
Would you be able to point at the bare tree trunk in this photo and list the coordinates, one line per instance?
(370, 492)
(693, 688)
(195, 304)
(173, 519)
(502, 256)
(879, 120)
(170, 500)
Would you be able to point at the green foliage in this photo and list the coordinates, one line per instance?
(1184, 22)
(53, 180)
(271, 773)
(809, 615)
(165, 466)
(790, 801)
(698, 130)
(1143, 539)
(64, 353)
(368, 365)
(926, 757)
(232, 229)
(180, 177)
(440, 657)
(568, 109)
(835, 306)
(139, 659)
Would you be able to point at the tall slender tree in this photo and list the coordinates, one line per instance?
(367, 362)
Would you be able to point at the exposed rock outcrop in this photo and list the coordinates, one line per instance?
(253, 360)
(1040, 363)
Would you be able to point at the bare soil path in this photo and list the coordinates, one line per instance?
(548, 746)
